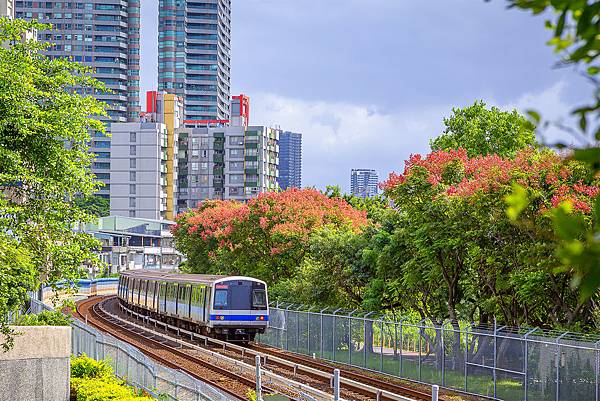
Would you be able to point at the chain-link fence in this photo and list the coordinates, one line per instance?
(501, 362)
(136, 368)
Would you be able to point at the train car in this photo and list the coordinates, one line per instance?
(233, 308)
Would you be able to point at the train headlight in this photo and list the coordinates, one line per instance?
(260, 317)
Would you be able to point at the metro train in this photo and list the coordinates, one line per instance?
(232, 308)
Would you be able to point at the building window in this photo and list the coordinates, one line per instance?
(132, 163)
(132, 176)
(132, 137)
(132, 202)
(132, 213)
(131, 188)
(194, 166)
(236, 140)
(132, 150)
(236, 166)
(236, 178)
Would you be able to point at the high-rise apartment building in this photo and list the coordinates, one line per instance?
(233, 161)
(290, 160)
(364, 183)
(7, 8)
(105, 35)
(143, 166)
(194, 53)
(226, 162)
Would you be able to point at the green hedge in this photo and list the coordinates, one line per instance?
(44, 318)
(93, 380)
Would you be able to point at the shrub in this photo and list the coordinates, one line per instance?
(101, 390)
(93, 380)
(84, 367)
(45, 318)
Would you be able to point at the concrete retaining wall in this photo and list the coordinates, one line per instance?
(37, 367)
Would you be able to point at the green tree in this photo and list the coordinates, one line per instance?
(576, 39)
(44, 164)
(483, 131)
(94, 204)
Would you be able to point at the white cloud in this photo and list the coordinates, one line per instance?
(550, 104)
(340, 136)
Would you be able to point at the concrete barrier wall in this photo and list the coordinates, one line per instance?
(37, 367)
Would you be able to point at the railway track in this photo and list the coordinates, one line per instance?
(224, 379)
(355, 385)
(353, 375)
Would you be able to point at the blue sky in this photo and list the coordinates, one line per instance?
(368, 82)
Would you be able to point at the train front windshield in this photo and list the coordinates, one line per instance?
(240, 295)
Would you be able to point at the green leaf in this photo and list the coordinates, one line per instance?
(560, 25)
(534, 115)
(568, 225)
(517, 201)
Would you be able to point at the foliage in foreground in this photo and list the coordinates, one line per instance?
(95, 381)
(576, 38)
(44, 165)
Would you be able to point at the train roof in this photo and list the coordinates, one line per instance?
(162, 275)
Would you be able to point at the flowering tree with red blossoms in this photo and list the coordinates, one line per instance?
(265, 237)
(466, 259)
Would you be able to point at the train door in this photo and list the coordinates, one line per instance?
(130, 291)
(207, 303)
(145, 301)
(172, 290)
(196, 303)
(150, 295)
(162, 298)
(183, 301)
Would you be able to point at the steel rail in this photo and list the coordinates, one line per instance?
(85, 306)
(352, 381)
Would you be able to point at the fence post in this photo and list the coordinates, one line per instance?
(308, 331)
(349, 317)
(466, 355)
(297, 330)
(321, 328)
(443, 355)
(421, 328)
(435, 389)
(333, 341)
(336, 385)
(258, 379)
(287, 317)
(597, 369)
(381, 340)
(558, 348)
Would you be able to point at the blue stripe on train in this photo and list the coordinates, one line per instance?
(240, 318)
